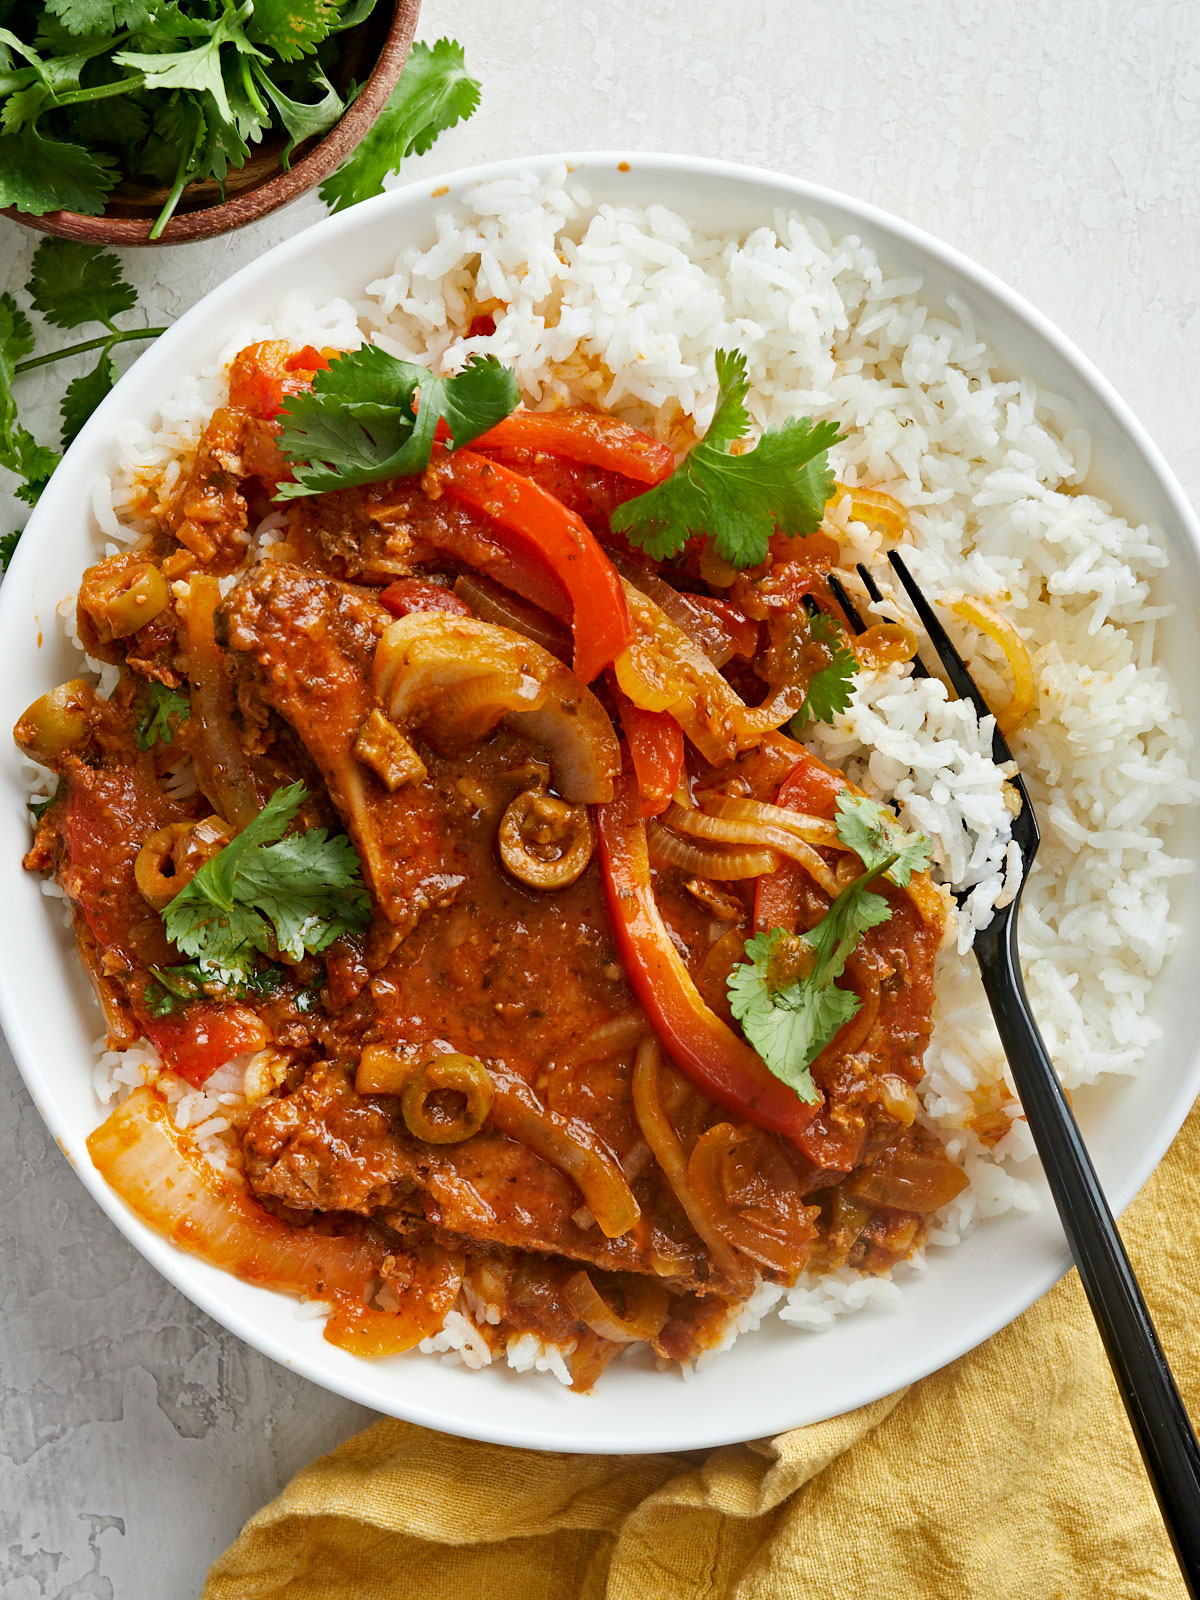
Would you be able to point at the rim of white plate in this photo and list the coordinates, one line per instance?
(522, 1416)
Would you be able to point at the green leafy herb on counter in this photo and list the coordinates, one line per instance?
(70, 285)
(358, 424)
(736, 500)
(785, 994)
(434, 92)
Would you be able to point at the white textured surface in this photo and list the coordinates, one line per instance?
(135, 1436)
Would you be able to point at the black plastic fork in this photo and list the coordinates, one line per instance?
(1156, 1412)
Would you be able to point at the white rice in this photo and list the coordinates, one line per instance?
(624, 308)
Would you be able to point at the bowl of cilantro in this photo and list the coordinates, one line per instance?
(133, 122)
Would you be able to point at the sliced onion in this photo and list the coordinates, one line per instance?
(764, 1239)
(425, 657)
(664, 670)
(1016, 653)
(921, 1181)
(492, 603)
(161, 1176)
(875, 510)
(752, 723)
(812, 830)
(669, 850)
(470, 710)
(647, 1308)
(703, 627)
(884, 644)
(424, 1301)
(224, 770)
(569, 1145)
(660, 1135)
(764, 835)
(855, 1032)
(613, 1038)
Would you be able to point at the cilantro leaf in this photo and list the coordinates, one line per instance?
(264, 892)
(174, 988)
(8, 547)
(101, 16)
(84, 394)
(39, 175)
(16, 342)
(435, 91)
(290, 28)
(357, 424)
(785, 994)
(303, 119)
(119, 123)
(157, 156)
(154, 725)
(789, 1024)
(830, 688)
(20, 452)
(788, 1027)
(738, 501)
(74, 283)
(872, 832)
(199, 69)
(39, 808)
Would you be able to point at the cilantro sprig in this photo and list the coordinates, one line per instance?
(831, 687)
(785, 994)
(370, 416)
(70, 285)
(269, 894)
(736, 500)
(174, 988)
(170, 93)
(435, 91)
(154, 724)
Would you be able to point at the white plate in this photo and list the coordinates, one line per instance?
(778, 1378)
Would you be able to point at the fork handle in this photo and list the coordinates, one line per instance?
(1156, 1412)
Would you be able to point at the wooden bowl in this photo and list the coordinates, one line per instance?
(261, 186)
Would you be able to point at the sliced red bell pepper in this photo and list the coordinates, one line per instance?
(655, 743)
(529, 521)
(695, 1038)
(811, 788)
(412, 594)
(590, 437)
(205, 1035)
(264, 374)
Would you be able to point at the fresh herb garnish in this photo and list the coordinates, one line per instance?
(40, 807)
(269, 894)
(737, 501)
(434, 92)
(357, 424)
(154, 724)
(785, 995)
(878, 840)
(20, 452)
(175, 987)
(830, 688)
(95, 90)
(70, 284)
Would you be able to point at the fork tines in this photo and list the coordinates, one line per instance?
(853, 616)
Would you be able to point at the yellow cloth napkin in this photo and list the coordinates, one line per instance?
(1009, 1474)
